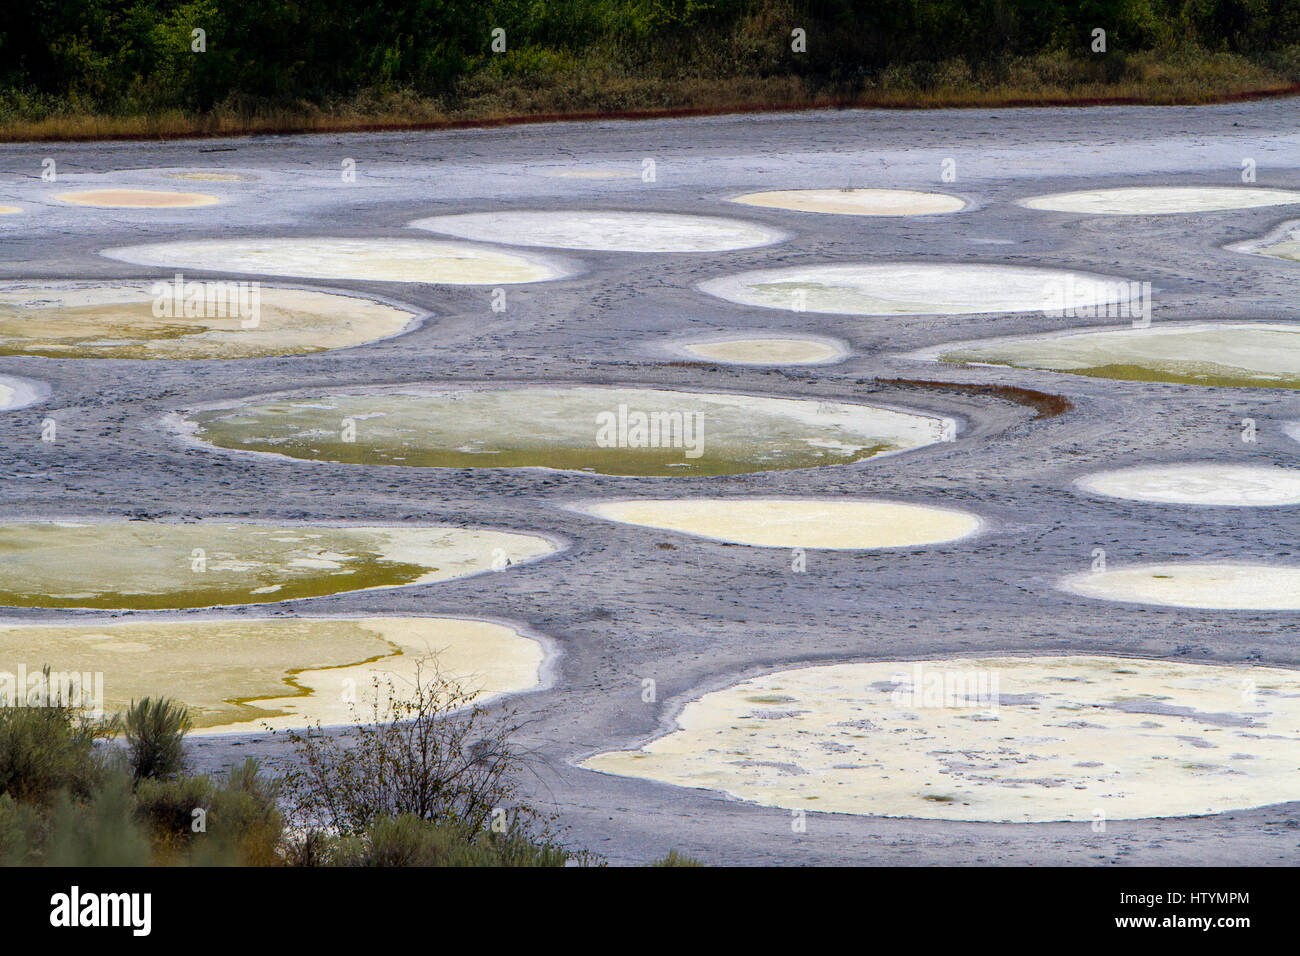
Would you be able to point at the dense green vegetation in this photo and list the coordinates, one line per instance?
(425, 59)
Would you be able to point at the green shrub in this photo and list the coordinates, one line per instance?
(676, 859)
(155, 730)
(48, 749)
(21, 833)
(245, 826)
(406, 841)
(100, 832)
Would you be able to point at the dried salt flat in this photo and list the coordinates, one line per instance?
(158, 565)
(379, 260)
(1199, 483)
(856, 202)
(123, 320)
(1226, 586)
(605, 230)
(606, 430)
(136, 199)
(243, 675)
(1225, 354)
(1161, 200)
(1001, 739)
(774, 350)
(840, 524)
(911, 288)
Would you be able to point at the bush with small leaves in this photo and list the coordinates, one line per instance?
(155, 729)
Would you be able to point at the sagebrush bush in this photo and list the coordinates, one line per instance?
(45, 750)
(101, 831)
(155, 729)
(406, 841)
(673, 858)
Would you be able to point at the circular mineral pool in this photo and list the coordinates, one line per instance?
(611, 231)
(1225, 354)
(856, 202)
(1212, 586)
(1161, 200)
(1000, 739)
(136, 199)
(612, 431)
(244, 675)
(153, 565)
(168, 319)
(1199, 483)
(379, 260)
(920, 289)
(774, 350)
(839, 524)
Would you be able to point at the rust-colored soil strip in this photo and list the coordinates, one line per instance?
(1045, 403)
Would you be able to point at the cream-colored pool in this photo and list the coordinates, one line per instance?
(776, 350)
(189, 320)
(612, 431)
(606, 230)
(153, 565)
(839, 523)
(999, 739)
(242, 675)
(1199, 483)
(1161, 200)
(379, 260)
(856, 202)
(1220, 585)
